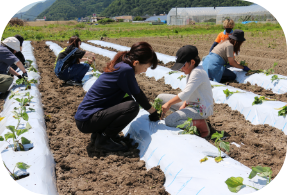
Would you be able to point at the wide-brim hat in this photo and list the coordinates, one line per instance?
(183, 55)
(237, 35)
(13, 43)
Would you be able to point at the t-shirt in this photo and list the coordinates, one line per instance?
(72, 59)
(224, 50)
(108, 90)
(7, 58)
(222, 36)
(198, 93)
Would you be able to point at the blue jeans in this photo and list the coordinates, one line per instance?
(75, 72)
(213, 64)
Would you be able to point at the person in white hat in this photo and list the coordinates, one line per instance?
(8, 48)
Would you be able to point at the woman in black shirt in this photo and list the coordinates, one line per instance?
(68, 66)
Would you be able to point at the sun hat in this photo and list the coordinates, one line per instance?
(183, 55)
(238, 35)
(13, 43)
(20, 38)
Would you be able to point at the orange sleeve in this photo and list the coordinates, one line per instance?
(218, 38)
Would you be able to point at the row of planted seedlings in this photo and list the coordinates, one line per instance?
(234, 183)
(273, 117)
(23, 142)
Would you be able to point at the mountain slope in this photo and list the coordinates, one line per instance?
(32, 13)
(142, 7)
(71, 9)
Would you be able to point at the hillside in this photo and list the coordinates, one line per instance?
(143, 7)
(32, 13)
(71, 9)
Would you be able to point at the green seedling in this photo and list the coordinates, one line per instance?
(259, 100)
(251, 72)
(157, 105)
(181, 77)
(25, 82)
(19, 165)
(266, 72)
(212, 86)
(229, 93)
(275, 77)
(31, 68)
(29, 97)
(188, 128)
(203, 160)
(13, 94)
(236, 183)
(220, 144)
(97, 75)
(243, 63)
(282, 111)
(171, 72)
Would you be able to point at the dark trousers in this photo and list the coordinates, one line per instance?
(111, 120)
(75, 72)
(227, 76)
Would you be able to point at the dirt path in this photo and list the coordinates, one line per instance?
(79, 169)
(263, 145)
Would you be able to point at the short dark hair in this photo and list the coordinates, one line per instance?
(20, 38)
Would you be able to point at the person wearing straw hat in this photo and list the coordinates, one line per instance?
(221, 54)
(196, 100)
(19, 54)
(8, 48)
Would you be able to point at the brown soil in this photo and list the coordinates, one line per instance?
(260, 50)
(263, 145)
(79, 168)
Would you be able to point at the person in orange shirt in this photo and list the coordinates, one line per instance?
(228, 24)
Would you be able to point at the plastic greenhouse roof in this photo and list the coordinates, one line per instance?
(153, 18)
(242, 9)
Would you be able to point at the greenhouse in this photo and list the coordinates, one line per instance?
(191, 15)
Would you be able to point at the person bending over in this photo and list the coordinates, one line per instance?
(196, 100)
(104, 111)
(8, 48)
(19, 54)
(220, 55)
(68, 66)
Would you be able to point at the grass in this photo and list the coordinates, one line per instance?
(125, 29)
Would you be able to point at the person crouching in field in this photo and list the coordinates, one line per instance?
(196, 100)
(214, 63)
(8, 48)
(228, 25)
(68, 66)
(104, 111)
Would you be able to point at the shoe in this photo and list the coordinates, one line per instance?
(103, 142)
(202, 127)
(74, 83)
(94, 137)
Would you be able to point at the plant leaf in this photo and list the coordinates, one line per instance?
(234, 183)
(28, 126)
(225, 145)
(21, 131)
(1, 118)
(9, 136)
(1, 138)
(31, 109)
(264, 171)
(21, 165)
(24, 140)
(25, 116)
(18, 100)
(217, 135)
(218, 159)
(11, 128)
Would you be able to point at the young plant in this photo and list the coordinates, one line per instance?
(28, 63)
(31, 68)
(220, 144)
(19, 165)
(236, 183)
(266, 72)
(13, 94)
(181, 77)
(243, 63)
(275, 78)
(203, 160)
(171, 72)
(97, 75)
(282, 111)
(259, 100)
(229, 93)
(157, 105)
(212, 86)
(188, 128)
(25, 82)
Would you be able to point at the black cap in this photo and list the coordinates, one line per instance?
(183, 55)
(237, 35)
(20, 38)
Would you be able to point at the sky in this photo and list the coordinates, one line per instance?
(27, 7)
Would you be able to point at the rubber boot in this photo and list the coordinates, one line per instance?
(202, 127)
(94, 137)
(103, 142)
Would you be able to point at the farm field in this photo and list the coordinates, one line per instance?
(81, 170)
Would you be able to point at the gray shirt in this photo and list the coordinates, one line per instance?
(224, 50)
(7, 58)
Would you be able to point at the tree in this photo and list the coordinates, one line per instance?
(138, 18)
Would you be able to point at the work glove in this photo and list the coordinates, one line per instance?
(154, 116)
(19, 77)
(246, 69)
(25, 75)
